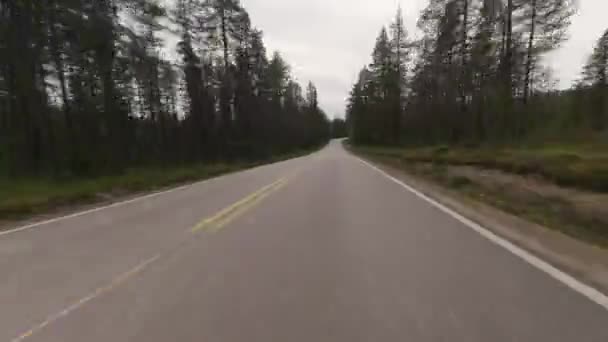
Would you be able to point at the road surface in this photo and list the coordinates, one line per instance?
(320, 248)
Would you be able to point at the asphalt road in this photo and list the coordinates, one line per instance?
(320, 248)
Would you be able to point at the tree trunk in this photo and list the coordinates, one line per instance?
(225, 91)
(508, 57)
(398, 110)
(224, 30)
(529, 64)
(604, 65)
(464, 48)
(113, 115)
(57, 60)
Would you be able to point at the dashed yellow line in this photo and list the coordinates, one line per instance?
(229, 214)
(212, 224)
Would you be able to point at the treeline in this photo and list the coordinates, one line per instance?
(476, 76)
(339, 128)
(85, 88)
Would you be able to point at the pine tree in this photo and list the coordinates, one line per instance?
(384, 88)
(312, 96)
(245, 79)
(596, 70)
(547, 24)
(595, 79)
(357, 111)
(400, 49)
(508, 51)
(23, 76)
(222, 21)
(85, 90)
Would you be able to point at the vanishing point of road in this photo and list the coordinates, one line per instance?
(322, 248)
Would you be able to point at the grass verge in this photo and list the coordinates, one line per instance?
(584, 167)
(557, 213)
(26, 197)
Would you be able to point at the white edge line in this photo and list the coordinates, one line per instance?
(591, 293)
(136, 199)
(90, 211)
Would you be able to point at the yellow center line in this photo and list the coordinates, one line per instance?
(228, 214)
(212, 224)
(245, 208)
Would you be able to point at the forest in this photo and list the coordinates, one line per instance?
(87, 88)
(475, 76)
(468, 103)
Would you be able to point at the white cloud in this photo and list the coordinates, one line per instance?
(327, 41)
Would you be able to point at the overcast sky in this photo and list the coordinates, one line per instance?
(328, 41)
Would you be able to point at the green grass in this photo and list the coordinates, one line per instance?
(584, 167)
(550, 212)
(553, 213)
(19, 198)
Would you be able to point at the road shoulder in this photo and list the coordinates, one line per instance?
(585, 262)
(50, 210)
